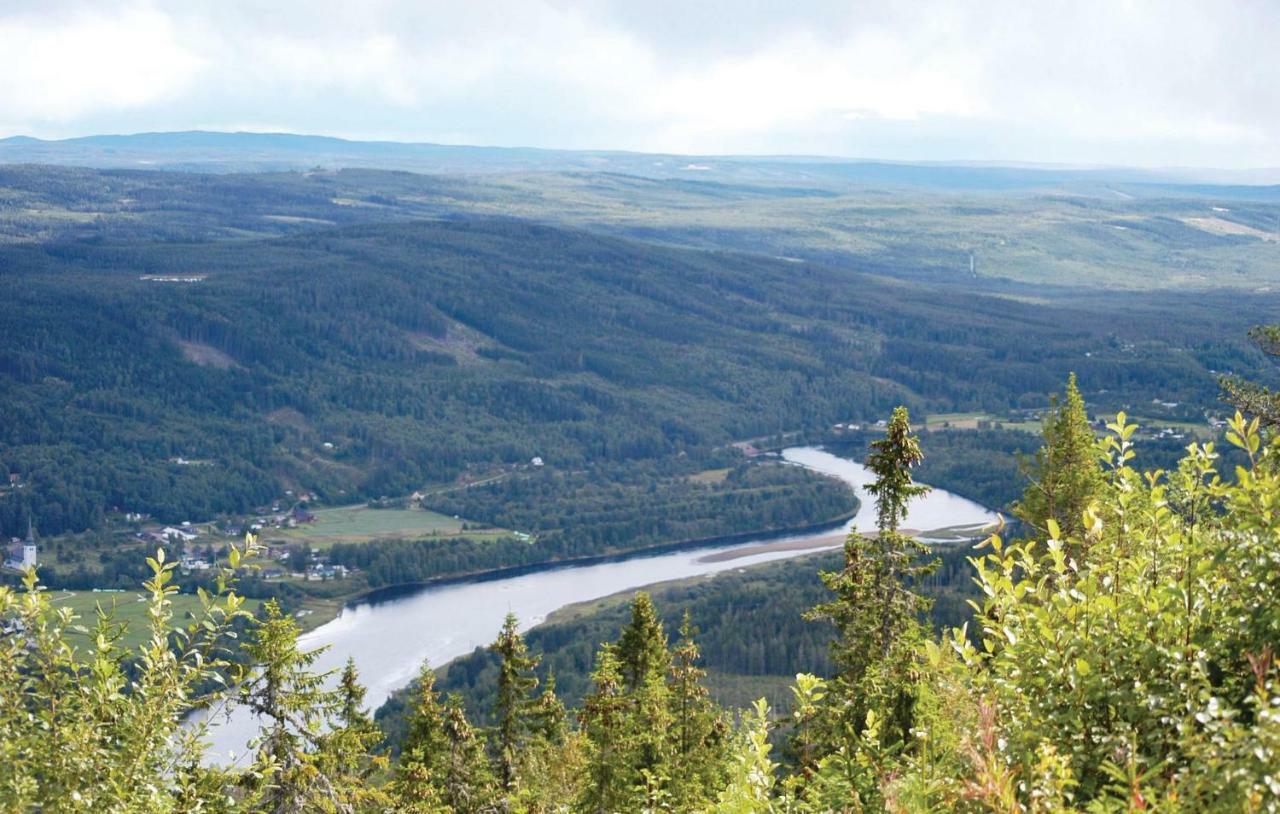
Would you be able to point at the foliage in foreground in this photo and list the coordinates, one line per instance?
(1123, 661)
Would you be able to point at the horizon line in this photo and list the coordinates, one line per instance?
(975, 162)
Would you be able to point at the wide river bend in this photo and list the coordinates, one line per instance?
(390, 637)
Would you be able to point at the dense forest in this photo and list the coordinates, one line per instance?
(593, 515)
(195, 379)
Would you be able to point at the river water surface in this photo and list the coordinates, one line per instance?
(390, 637)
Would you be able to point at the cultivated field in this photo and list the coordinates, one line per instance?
(360, 524)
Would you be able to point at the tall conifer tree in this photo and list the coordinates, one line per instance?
(1066, 474)
(516, 682)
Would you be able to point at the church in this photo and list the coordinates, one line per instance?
(23, 555)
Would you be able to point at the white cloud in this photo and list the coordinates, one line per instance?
(69, 66)
(1140, 81)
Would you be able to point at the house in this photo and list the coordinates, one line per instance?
(536, 461)
(189, 564)
(172, 533)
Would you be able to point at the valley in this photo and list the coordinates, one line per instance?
(434, 400)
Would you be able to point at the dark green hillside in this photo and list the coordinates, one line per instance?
(424, 350)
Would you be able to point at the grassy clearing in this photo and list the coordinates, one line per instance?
(710, 476)
(1033, 427)
(360, 524)
(129, 608)
(957, 421)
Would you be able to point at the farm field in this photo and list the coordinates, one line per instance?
(360, 524)
(957, 421)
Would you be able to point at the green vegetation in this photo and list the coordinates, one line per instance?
(130, 610)
(745, 348)
(602, 511)
(357, 524)
(1065, 474)
(481, 343)
(478, 344)
(571, 357)
(1133, 673)
(750, 632)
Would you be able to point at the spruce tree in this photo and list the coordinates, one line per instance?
(644, 659)
(418, 784)
(642, 647)
(294, 705)
(548, 719)
(874, 610)
(1066, 474)
(468, 782)
(603, 720)
(699, 728)
(516, 681)
(346, 751)
(1251, 398)
(551, 763)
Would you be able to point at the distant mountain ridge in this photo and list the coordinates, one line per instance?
(211, 151)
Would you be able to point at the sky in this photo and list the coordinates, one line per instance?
(1106, 82)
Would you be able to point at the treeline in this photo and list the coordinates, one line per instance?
(577, 514)
(607, 508)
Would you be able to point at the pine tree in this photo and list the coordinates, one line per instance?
(1066, 474)
(516, 681)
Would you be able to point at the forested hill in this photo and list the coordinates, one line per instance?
(420, 350)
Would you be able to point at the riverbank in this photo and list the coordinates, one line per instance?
(315, 612)
(391, 632)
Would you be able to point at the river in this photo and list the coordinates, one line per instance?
(389, 638)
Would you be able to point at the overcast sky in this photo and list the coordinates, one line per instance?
(1111, 82)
